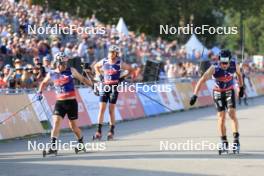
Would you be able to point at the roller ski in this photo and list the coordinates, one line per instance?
(53, 148)
(223, 148)
(236, 144)
(97, 136)
(110, 136)
(80, 146)
(49, 152)
(236, 148)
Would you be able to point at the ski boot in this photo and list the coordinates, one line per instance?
(236, 144)
(52, 149)
(80, 146)
(223, 148)
(110, 136)
(97, 136)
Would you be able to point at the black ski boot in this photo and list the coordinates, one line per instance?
(110, 135)
(224, 146)
(80, 146)
(236, 143)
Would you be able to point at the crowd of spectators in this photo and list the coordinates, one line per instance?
(25, 58)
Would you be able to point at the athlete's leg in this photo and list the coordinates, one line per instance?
(112, 113)
(74, 127)
(221, 123)
(112, 105)
(55, 133)
(231, 105)
(56, 126)
(102, 108)
(234, 121)
(245, 97)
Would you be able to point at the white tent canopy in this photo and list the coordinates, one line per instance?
(194, 44)
(121, 27)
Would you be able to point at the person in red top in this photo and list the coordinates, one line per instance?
(66, 102)
(2, 82)
(224, 95)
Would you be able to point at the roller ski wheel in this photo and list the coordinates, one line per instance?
(110, 136)
(50, 152)
(97, 136)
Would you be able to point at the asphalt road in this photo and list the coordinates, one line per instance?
(140, 148)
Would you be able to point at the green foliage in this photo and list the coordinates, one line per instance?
(147, 15)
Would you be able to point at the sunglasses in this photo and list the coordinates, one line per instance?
(224, 63)
(62, 63)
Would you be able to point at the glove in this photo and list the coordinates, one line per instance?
(193, 100)
(39, 96)
(121, 79)
(101, 77)
(241, 91)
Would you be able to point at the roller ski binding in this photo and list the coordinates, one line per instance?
(223, 148)
(97, 136)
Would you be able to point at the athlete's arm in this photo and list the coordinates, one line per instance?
(44, 83)
(239, 76)
(98, 66)
(206, 76)
(81, 78)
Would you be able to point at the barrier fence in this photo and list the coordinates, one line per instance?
(36, 118)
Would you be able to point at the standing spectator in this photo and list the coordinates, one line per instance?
(46, 64)
(181, 70)
(90, 56)
(82, 47)
(27, 80)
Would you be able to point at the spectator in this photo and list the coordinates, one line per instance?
(46, 64)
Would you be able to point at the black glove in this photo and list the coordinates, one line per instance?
(121, 79)
(101, 77)
(241, 91)
(39, 96)
(193, 100)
